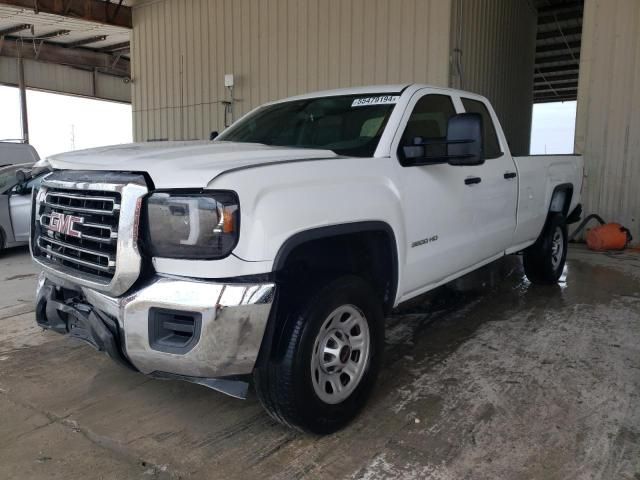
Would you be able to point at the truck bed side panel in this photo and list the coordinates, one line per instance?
(538, 176)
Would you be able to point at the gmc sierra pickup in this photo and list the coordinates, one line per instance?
(275, 250)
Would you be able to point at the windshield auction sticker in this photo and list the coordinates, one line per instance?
(380, 100)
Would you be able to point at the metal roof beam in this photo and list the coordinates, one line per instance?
(74, 57)
(555, 47)
(555, 33)
(557, 69)
(554, 87)
(16, 29)
(554, 79)
(550, 93)
(558, 58)
(117, 47)
(561, 7)
(91, 10)
(54, 34)
(560, 17)
(85, 41)
(570, 98)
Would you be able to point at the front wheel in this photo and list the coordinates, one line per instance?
(332, 350)
(544, 260)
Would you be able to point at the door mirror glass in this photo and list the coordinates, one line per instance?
(463, 144)
(465, 139)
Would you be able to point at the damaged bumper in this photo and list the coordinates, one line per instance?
(168, 328)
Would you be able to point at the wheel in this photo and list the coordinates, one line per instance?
(332, 354)
(544, 260)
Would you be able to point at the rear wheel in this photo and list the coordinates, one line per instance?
(332, 350)
(544, 260)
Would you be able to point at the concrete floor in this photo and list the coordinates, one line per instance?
(511, 381)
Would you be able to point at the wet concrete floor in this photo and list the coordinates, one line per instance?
(501, 381)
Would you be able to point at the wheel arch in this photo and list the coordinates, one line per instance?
(379, 232)
(560, 200)
(345, 230)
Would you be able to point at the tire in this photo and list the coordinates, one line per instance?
(299, 388)
(544, 260)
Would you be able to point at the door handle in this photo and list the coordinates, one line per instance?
(510, 175)
(472, 180)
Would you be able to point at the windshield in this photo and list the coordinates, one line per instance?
(348, 124)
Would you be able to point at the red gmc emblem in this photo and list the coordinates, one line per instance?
(61, 223)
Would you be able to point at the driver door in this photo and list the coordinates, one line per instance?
(438, 200)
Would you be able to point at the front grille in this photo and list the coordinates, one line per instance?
(85, 228)
(79, 229)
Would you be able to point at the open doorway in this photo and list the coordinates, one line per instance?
(60, 123)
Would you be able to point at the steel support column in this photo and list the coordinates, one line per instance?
(23, 101)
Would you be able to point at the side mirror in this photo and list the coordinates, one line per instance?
(22, 178)
(213, 135)
(465, 139)
(462, 146)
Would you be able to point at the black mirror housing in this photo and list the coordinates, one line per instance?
(465, 139)
(462, 146)
(22, 176)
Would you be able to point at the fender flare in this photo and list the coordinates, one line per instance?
(318, 233)
(563, 188)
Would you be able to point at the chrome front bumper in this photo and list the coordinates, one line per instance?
(232, 322)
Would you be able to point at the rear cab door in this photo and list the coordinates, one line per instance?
(496, 195)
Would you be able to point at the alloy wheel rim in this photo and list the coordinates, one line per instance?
(340, 354)
(557, 247)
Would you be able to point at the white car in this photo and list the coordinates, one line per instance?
(15, 203)
(276, 250)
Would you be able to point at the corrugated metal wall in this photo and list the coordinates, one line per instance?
(494, 42)
(608, 117)
(275, 48)
(62, 79)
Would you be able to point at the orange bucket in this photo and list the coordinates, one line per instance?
(610, 236)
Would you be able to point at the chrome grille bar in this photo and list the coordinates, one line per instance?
(79, 209)
(70, 258)
(77, 196)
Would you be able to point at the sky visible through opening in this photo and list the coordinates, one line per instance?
(553, 128)
(60, 123)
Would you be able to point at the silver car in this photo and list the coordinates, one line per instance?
(16, 184)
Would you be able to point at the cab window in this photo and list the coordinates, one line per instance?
(491, 145)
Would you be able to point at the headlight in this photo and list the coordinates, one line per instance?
(191, 225)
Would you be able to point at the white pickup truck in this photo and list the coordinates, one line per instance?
(276, 249)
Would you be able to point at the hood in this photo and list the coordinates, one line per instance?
(181, 164)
